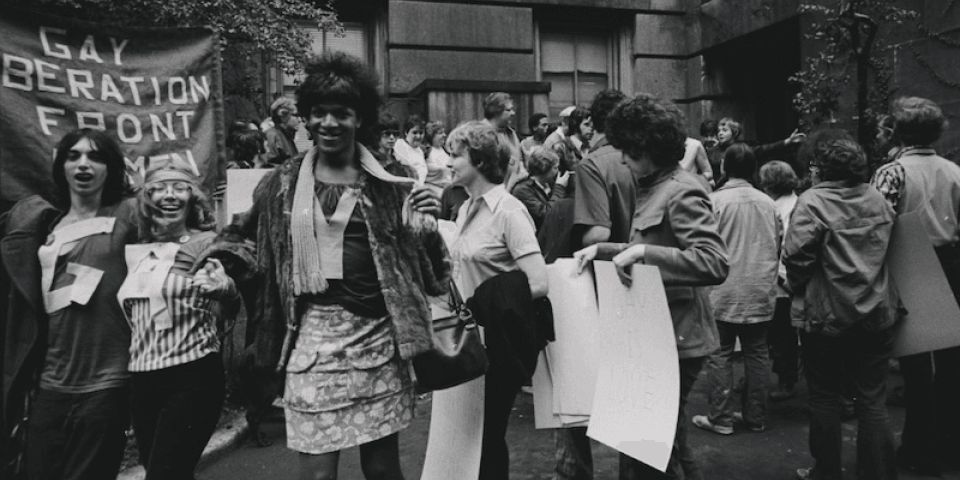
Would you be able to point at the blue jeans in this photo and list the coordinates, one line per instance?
(574, 455)
(859, 361)
(753, 401)
(75, 436)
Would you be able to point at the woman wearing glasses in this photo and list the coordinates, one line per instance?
(176, 297)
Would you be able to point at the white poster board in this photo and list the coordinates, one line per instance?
(241, 183)
(574, 356)
(456, 419)
(637, 396)
(933, 316)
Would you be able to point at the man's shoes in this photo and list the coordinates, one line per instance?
(783, 392)
(738, 418)
(701, 421)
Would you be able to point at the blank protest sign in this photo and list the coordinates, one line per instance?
(637, 396)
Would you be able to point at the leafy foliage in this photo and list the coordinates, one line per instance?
(842, 28)
(259, 25)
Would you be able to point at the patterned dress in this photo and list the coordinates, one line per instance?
(346, 384)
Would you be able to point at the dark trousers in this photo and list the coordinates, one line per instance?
(77, 436)
(753, 340)
(574, 455)
(500, 391)
(865, 356)
(175, 411)
(681, 465)
(782, 339)
(932, 388)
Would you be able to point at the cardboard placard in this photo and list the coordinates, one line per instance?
(933, 316)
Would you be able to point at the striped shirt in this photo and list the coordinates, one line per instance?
(195, 316)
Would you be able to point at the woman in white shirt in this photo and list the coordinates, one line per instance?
(408, 149)
(495, 234)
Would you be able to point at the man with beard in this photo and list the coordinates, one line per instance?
(538, 124)
(279, 139)
(346, 278)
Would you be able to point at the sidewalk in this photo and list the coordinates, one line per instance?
(229, 435)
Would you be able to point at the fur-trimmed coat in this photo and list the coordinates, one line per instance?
(409, 267)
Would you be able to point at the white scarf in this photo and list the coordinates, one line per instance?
(307, 277)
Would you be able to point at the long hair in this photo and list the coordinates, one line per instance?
(117, 185)
(199, 213)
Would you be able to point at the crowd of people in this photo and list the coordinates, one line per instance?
(119, 294)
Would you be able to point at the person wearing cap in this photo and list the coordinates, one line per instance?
(65, 379)
(343, 303)
(176, 297)
(562, 130)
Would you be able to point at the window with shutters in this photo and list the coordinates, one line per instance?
(352, 40)
(577, 64)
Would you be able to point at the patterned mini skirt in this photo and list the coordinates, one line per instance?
(346, 384)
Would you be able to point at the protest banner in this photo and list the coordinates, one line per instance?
(157, 91)
(637, 395)
(933, 316)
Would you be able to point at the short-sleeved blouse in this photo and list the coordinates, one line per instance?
(493, 231)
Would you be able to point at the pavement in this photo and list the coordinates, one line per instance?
(773, 454)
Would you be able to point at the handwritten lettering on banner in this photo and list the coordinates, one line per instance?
(637, 395)
(156, 91)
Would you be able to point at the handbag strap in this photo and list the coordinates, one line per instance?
(456, 300)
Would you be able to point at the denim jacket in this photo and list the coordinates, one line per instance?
(750, 226)
(835, 254)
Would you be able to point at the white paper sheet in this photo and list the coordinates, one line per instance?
(456, 433)
(574, 356)
(241, 183)
(637, 396)
(933, 316)
(543, 416)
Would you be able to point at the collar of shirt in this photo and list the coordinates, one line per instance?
(657, 176)
(543, 186)
(735, 183)
(493, 197)
(576, 141)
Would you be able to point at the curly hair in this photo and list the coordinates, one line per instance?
(917, 121)
(778, 178)
(604, 103)
(840, 160)
(480, 142)
(577, 116)
(339, 78)
(432, 130)
(805, 154)
(495, 104)
(735, 128)
(117, 185)
(739, 161)
(542, 160)
(199, 213)
(534, 120)
(646, 125)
